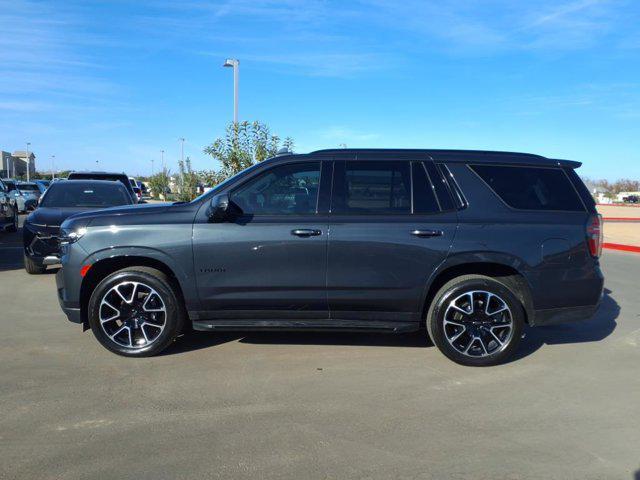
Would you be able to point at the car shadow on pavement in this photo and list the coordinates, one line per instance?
(196, 340)
(594, 329)
(11, 251)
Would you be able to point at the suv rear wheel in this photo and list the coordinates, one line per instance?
(476, 320)
(136, 312)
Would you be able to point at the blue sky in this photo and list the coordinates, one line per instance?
(119, 81)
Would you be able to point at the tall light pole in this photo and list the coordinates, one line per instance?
(181, 149)
(53, 160)
(235, 63)
(152, 167)
(162, 159)
(28, 145)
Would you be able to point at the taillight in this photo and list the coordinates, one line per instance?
(595, 235)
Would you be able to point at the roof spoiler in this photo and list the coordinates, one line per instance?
(567, 163)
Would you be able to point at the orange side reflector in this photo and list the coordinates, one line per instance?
(84, 270)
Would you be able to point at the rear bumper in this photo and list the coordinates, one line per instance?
(567, 295)
(553, 316)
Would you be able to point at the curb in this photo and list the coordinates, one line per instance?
(621, 219)
(624, 248)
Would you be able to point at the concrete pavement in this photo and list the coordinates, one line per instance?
(307, 406)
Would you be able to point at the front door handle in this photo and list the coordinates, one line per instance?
(306, 232)
(427, 233)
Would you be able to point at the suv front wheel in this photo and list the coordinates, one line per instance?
(476, 320)
(136, 312)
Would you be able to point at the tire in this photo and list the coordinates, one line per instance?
(32, 267)
(135, 296)
(14, 220)
(476, 320)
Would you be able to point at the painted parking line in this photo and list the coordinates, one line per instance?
(619, 246)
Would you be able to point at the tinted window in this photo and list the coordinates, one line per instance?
(424, 198)
(373, 188)
(81, 194)
(101, 176)
(531, 188)
(440, 185)
(28, 187)
(456, 193)
(284, 190)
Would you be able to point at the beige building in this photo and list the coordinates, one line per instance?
(16, 164)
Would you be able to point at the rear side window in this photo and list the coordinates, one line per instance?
(531, 188)
(372, 188)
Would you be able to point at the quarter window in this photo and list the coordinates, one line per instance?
(284, 190)
(531, 188)
(424, 199)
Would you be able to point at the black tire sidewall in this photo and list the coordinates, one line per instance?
(14, 220)
(457, 287)
(32, 267)
(164, 289)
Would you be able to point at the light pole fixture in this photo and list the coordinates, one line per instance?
(28, 163)
(162, 159)
(53, 168)
(235, 64)
(181, 149)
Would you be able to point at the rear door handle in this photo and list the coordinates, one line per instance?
(306, 232)
(427, 233)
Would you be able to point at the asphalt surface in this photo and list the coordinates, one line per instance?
(310, 406)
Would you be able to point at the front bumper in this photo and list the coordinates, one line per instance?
(70, 308)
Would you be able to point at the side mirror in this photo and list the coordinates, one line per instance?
(220, 208)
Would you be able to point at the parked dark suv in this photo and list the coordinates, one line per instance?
(473, 245)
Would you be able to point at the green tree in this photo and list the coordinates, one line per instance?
(159, 183)
(187, 181)
(244, 144)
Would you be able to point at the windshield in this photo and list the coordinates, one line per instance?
(72, 194)
(28, 187)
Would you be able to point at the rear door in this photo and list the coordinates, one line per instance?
(388, 230)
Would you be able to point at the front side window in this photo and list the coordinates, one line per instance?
(531, 188)
(373, 188)
(284, 190)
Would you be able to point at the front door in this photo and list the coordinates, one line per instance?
(388, 231)
(269, 263)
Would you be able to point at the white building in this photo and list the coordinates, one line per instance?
(622, 195)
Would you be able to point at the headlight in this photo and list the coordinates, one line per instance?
(71, 236)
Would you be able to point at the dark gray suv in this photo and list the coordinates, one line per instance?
(471, 245)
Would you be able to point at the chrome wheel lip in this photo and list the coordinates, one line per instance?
(496, 324)
(138, 313)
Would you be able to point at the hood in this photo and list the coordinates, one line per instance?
(121, 214)
(52, 217)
